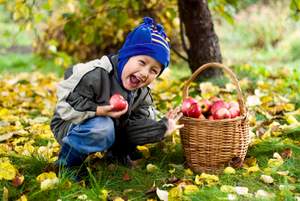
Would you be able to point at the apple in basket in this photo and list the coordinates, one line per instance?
(222, 113)
(194, 111)
(233, 104)
(205, 105)
(234, 112)
(234, 109)
(118, 102)
(217, 105)
(191, 108)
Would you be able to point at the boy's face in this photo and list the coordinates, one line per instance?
(140, 71)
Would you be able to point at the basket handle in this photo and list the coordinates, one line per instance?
(227, 70)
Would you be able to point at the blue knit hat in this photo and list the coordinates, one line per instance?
(146, 39)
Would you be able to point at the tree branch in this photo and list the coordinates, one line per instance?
(180, 55)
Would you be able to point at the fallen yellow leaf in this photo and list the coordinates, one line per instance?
(175, 194)
(145, 151)
(48, 180)
(251, 170)
(7, 170)
(267, 179)
(229, 170)
(151, 168)
(276, 161)
(188, 172)
(227, 189)
(208, 179)
(261, 194)
(22, 198)
(188, 189)
(5, 194)
(118, 199)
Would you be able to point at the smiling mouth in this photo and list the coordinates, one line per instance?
(134, 80)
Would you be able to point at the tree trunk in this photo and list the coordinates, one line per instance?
(203, 42)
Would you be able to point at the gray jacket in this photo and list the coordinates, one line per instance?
(87, 85)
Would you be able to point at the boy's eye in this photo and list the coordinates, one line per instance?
(142, 62)
(153, 70)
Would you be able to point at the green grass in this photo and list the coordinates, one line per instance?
(18, 62)
(261, 36)
(109, 177)
(103, 175)
(179, 70)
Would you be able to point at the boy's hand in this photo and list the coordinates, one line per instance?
(107, 110)
(173, 116)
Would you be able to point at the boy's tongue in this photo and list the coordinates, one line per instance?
(134, 80)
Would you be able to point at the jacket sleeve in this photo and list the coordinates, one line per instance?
(77, 96)
(145, 109)
(142, 128)
(144, 131)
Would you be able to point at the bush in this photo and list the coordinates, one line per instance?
(91, 29)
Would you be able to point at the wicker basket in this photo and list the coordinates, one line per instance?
(209, 145)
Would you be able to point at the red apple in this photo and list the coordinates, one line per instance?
(194, 111)
(118, 102)
(234, 112)
(217, 105)
(234, 104)
(187, 103)
(205, 105)
(222, 113)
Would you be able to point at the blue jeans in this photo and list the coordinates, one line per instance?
(93, 135)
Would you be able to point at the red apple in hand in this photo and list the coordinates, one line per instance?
(234, 112)
(118, 102)
(222, 113)
(187, 103)
(205, 105)
(217, 105)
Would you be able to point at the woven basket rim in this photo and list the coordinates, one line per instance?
(245, 116)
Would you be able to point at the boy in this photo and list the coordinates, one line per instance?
(84, 122)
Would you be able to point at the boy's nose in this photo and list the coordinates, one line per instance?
(144, 75)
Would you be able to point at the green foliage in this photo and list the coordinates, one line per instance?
(93, 28)
(295, 9)
(294, 50)
(10, 34)
(83, 30)
(225, 8)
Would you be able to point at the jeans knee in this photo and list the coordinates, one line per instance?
(103, 130)
(95, 134)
